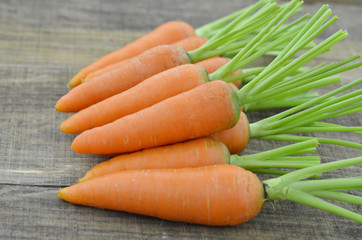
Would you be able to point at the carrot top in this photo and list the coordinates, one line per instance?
(294, 187)
(272, 161)
(305, 118)
(239, 31)
(285, 77)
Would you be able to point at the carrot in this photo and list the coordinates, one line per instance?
(175, 119)
(217, 106)
(149, 63)
(157, 88)
(188, 44)
(204, 152)
(153, 90)
(198, 195)
(166, 33)
(299, 119)
(236, 138)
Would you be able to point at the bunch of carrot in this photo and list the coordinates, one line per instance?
(176, 123)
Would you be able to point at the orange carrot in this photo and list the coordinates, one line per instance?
(236, 138)
(167, 33)
(204, 152)
(199, 112)
(137, 69)
(153, 90)
(156, 60)
(174, 31)
(188, 44)
(173, 195)
(195, 153)
(215, 195)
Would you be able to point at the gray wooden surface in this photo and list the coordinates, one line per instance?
(44, 43)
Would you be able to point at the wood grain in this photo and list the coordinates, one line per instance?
(44, 43)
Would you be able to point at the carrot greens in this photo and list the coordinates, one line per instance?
(294, 187)
(306, 117)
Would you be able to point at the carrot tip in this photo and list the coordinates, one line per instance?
(83, 179)
(64, 127)
(61, 194)
(76, 80)
(86, 78)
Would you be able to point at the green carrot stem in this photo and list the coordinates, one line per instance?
(293, 138)
(315, 113)
(281, 57)
(205, 30)
(256, 42)
(280, 102)
(307, 199)
(347, 110)
(270, 171)
(338, 196)
(239, 22)
(278, 158)
(292, 66)
(328, 184)
(254, 164)
(317, 100)
(293, 187)
(280, 38)
(283, 151)
(292, 87)
(323, 129)
(247, 79)
(322, 71)
(306, 173)
(229, 32)
(247, 72)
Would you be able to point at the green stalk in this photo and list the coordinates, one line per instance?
(312, 102)
(292, 187)
(315, 113)
(235, 29)
(259, 39)
(247, 95)
(293, 138)
(337, 196)
(328, 184)
(279, 157)
(312, 24)
(324, 129)
(247, 72)
(279, 38)
(205, 30)
(310, 200)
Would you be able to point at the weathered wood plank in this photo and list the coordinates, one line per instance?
(36, 213)
(44, 43)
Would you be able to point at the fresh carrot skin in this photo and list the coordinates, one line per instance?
(153, 90)
(213, 64)
(199, 112)
(216, 195)
(136, 70)
(236, 138)
(167, 33)
(188, 44)
(194, 153)
(149, 92)
(214, 149)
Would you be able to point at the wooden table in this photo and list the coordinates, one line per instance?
(44, 43)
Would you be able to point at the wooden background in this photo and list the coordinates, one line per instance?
(44, 43)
